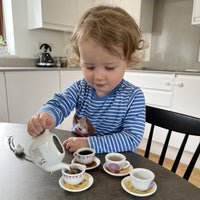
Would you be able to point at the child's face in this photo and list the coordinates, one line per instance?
(101, 69)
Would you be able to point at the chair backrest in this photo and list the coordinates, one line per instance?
(177, 122)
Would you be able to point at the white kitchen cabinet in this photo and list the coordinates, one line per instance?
(196, 13)
(67, 78)
(157, 88)
(186, 98)
(186, 95)
(140, 10)
(61, 15)
(3, 101)
(27, 91)
(82, 6)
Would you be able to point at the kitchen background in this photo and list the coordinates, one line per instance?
(174, 46)
(174, 41)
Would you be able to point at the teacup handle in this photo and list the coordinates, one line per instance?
(126, 164)
(75, 154)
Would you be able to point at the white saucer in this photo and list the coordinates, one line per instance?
(84, 185)
(123, 172)
(89, 166)
(128, 187)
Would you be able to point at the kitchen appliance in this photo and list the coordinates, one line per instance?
(45, 59)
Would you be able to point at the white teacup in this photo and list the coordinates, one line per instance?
(84, 155)
(142, 178)
(116, 162)
(75, 175)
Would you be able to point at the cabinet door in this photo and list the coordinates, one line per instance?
(140, 10)
(186, 98)
(82, 6)
(131, 6)
(27, 91)
(67, 78)
(157, 88)
(62, 12)
(196, 13)
(3, 101)
(186, 95)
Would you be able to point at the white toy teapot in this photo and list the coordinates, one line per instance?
(47, 152)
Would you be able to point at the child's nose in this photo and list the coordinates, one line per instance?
(99, 76)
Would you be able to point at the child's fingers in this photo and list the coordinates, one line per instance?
(46, 121)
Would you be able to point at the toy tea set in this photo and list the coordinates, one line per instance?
(47, 152)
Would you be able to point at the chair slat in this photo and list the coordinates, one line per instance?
(164, 150)
(148, 147)
(192, 163)
(180, 153)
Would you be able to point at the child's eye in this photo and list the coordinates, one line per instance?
(90, 67)
(109, 68)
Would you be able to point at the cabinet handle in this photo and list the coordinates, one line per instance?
(196, 19)
(178, 84)
(174, 84)
(168, 83)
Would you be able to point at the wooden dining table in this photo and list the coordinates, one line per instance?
(20, 179)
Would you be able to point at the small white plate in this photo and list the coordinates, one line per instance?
(84, 185)
(128, 187)
(93, 165)
(123, 172)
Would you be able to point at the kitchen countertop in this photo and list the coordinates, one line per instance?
(72, 68)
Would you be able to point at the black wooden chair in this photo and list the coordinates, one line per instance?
(177, 122)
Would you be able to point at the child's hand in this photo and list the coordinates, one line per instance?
(75, 143)
(39, 122)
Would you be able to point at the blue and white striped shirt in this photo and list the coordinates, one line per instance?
(118, 118)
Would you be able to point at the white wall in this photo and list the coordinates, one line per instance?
(26, 40)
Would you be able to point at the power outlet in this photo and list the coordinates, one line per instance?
(38, 45)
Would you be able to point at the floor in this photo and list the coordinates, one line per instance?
(195, 176)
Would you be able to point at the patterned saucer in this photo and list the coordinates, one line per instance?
(122, 172)
(84, 185)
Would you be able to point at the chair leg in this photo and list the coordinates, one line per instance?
(192, 163)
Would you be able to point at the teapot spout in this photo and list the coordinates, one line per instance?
(61, 165)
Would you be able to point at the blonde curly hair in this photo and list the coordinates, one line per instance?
(110, 27)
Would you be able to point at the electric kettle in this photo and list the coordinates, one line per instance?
(47, 152)
(45, 59)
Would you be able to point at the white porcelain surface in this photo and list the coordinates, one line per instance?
(142, 178)
(74, 179)
(87, 182)
(115, 165)
(47, 151)
(126, 185)
(84, 159)
(88, 166)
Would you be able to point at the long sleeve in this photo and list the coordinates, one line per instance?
(62, 104)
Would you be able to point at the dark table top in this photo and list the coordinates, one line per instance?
(22, 180)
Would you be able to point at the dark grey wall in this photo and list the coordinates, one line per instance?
(175, 42)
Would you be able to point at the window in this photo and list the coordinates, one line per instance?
(7, 45)
(3, 44)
